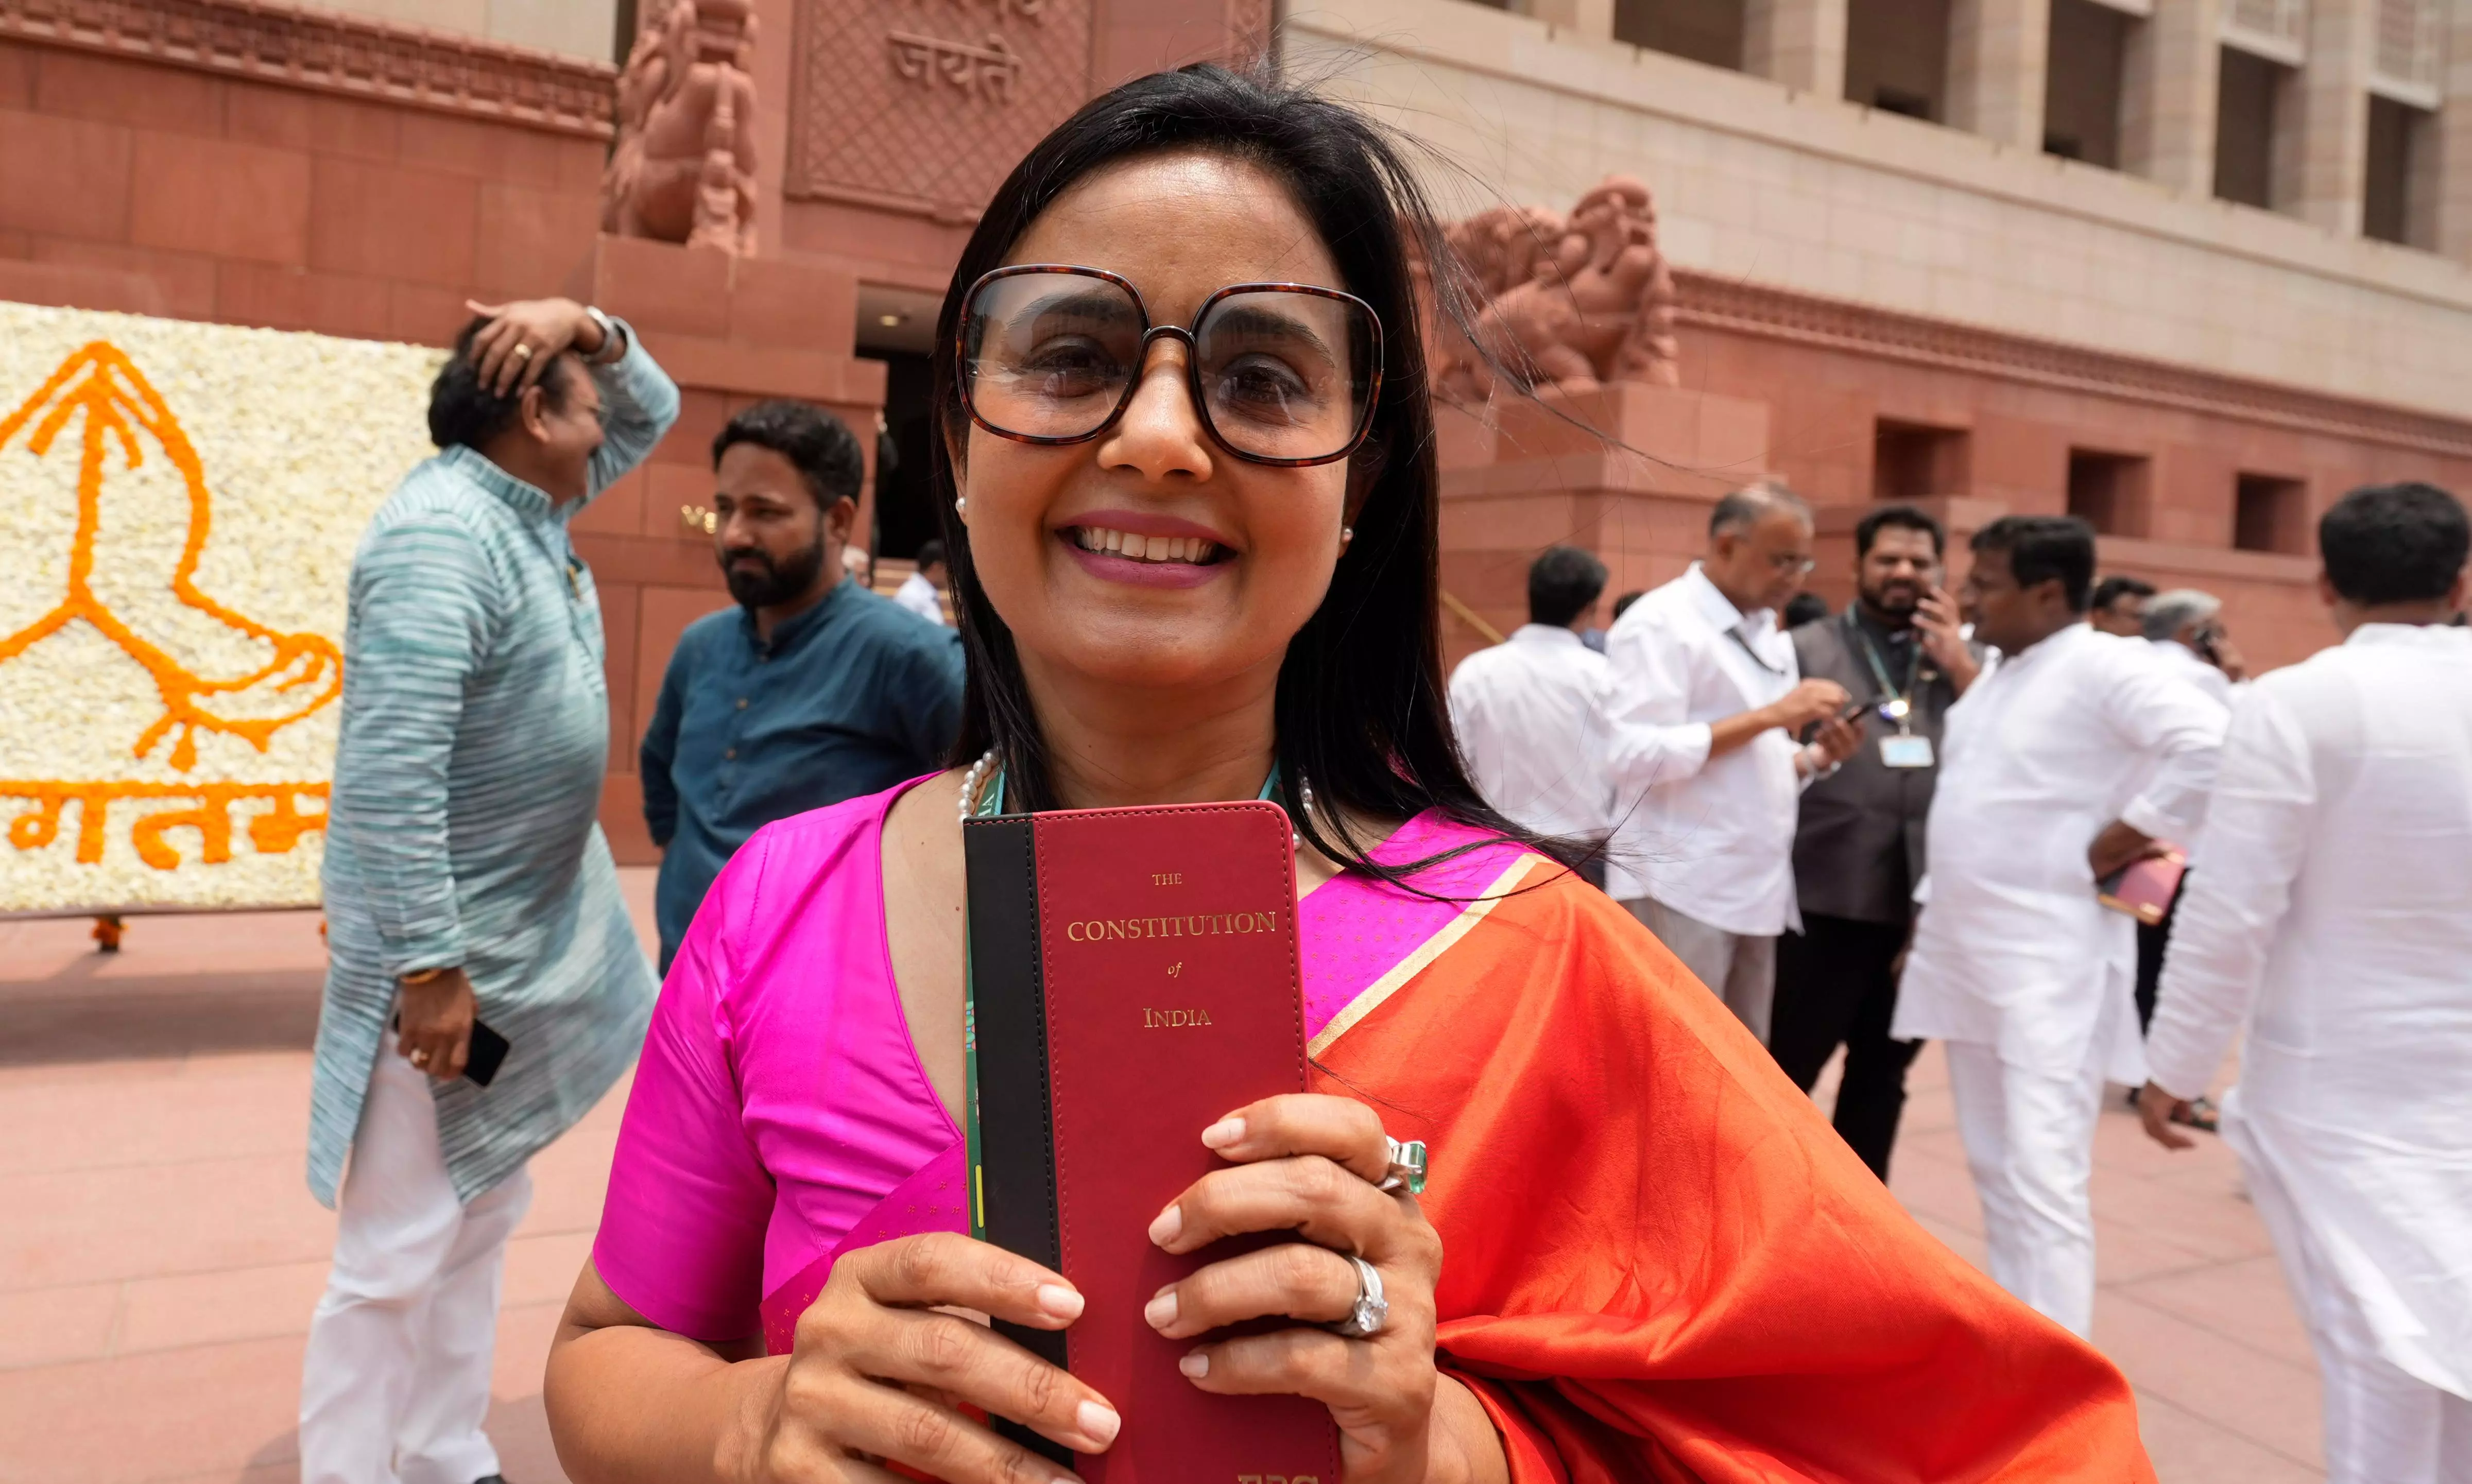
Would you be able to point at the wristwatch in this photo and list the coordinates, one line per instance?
(613, 342)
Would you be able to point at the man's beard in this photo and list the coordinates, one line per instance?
(1895, 601)
(756, 581)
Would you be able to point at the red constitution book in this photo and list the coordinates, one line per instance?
(1133, 977)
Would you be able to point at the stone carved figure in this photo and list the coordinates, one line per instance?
(1575, 302)
(684, 166)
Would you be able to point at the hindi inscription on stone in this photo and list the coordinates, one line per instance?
(925, 105)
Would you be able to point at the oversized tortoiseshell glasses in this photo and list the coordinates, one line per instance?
(1281, 373)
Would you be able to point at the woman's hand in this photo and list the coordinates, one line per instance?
(878, 1375)
(1311, 1164)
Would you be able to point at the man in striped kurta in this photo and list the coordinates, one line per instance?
(467, 881)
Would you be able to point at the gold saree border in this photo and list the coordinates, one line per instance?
(1373, 997)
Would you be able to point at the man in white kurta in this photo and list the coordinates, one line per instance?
(2331, 913)
(1530, 711)
(1707, 772)
(2078, 742)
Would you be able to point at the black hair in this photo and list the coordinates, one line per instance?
(931, 554)
(2394, 543)
(1905, 517)
(1562, 584)
(819, 445)
(2111, 589)
(1361, 713)
(1804, 609)
(462, 411)
(2043, 547)
(1621, 604)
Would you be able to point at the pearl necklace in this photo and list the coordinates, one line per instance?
(986, 762)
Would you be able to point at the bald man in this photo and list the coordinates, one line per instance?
(1705, 713)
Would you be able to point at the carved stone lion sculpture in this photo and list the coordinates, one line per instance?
(1574, 301)
(684, 166)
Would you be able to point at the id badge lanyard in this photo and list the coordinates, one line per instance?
(1899, 707)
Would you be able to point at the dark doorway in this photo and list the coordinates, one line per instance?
(905, 513)
(1896, 55)
(2245, 100)
(2271, 514)
(1912, 461)
(2108, 491)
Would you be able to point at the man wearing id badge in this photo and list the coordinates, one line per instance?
(1858, 845)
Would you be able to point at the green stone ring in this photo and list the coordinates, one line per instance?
(1407, 1165)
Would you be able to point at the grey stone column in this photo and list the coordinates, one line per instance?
(1997, 53)
(1801, 43)
(2450, 181)
(1593, 18)
(2168, 117)
(2321, 127)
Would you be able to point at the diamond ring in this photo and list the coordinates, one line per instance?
(1370, 1311)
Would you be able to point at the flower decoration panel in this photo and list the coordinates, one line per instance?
(178, 507)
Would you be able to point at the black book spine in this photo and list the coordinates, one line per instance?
(1017, 1140)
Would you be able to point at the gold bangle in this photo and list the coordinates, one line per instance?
(419, 977)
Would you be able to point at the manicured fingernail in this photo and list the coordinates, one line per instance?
(1160, 1311)
(1060, 1300)
(1195, 1365)
(1098, 1421)
(1165, 1226)
(1225, 1132)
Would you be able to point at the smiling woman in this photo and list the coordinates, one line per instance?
(1189, 497)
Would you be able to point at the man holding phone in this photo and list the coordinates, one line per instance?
(483, 986)
(1706, 749)
(1858, 846)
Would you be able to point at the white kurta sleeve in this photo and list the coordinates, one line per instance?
(2240, 886)
(1650, 738)
(2159, 713)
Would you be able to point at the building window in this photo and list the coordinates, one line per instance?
(2397, 196)
(1896, 56)
(1912, 461)
(2108, 490)
(2246, 98)
(2270, 514)
(2089, 45)
(1709, 31)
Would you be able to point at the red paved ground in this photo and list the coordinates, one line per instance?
(159, 1252)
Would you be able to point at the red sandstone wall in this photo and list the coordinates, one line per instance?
(1824, 403)
(125, 185)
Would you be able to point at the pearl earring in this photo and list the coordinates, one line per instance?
(961, 506)
(1346, 534)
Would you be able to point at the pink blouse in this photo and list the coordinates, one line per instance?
(780, 1113)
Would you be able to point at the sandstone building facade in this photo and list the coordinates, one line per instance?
(2191, 268)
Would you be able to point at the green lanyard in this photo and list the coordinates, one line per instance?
(993, 805)
(1900, 708)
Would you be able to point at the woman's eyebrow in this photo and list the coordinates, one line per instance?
(1080, 303)
(1253, 320)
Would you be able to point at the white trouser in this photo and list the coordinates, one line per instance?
(2030, 1140)
(2384, 1426)
(397, 1381)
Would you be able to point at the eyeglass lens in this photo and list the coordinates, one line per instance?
(1283, 375)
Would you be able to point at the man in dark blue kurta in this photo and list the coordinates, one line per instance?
(814, 691)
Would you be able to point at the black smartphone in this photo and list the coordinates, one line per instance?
(486, 1056)
(482, 1058)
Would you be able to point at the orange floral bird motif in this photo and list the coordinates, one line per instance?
(304, 671)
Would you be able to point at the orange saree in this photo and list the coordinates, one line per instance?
(1659, 1262)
